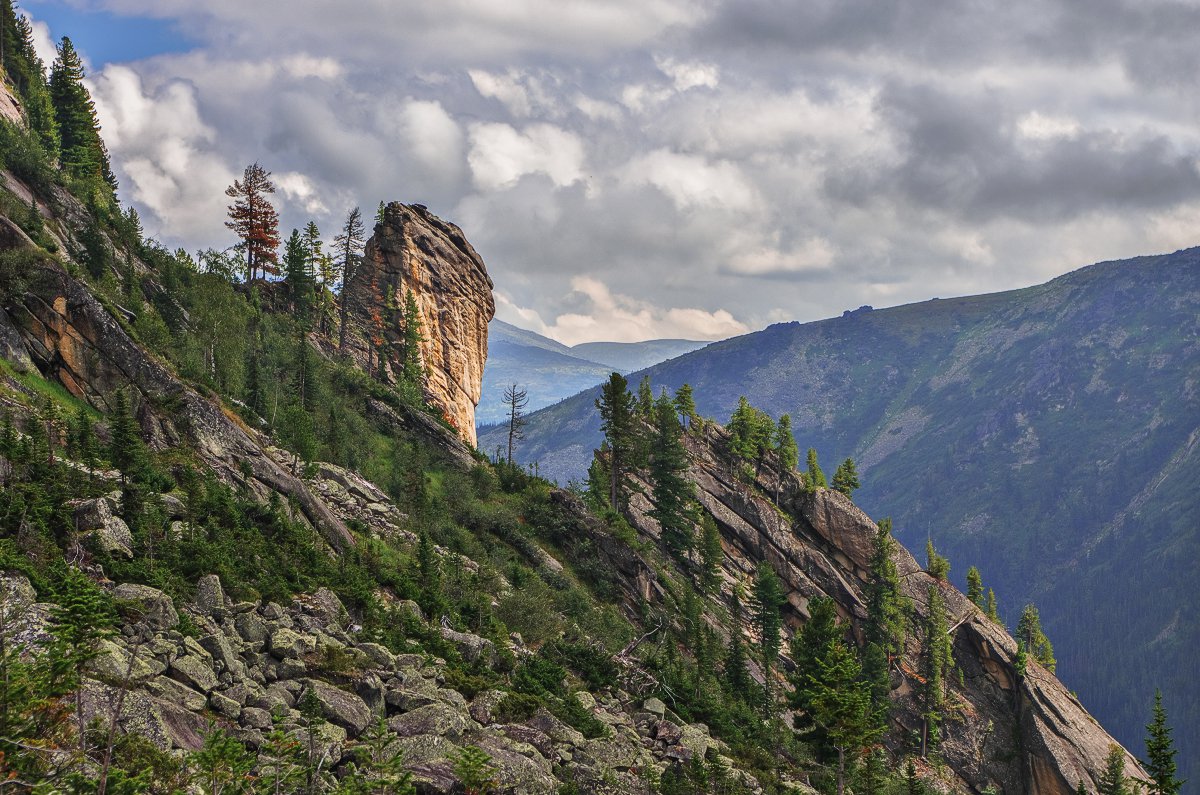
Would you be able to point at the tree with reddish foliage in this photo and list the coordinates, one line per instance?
(255, 220)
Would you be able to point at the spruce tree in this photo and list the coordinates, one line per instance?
(412, 367)
(297, 276)
(936, 659)
(886, 614)
(845, 479)
(839, 701)
(685, 404)
(975, 586)
(83, 154)
(1112, 780)
(815, 478)
(1160, 753)
(768, 601)
(989, 608)
(125, 438)
(27, 74)
(736, 676)
(711, 553)
(785, 444)
(937, 565)
(348, 249)
(615, 405)
(671, 492)
(1029, 630)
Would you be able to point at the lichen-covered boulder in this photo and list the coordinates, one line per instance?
(146, 604)
(339, 707)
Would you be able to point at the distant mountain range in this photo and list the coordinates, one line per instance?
(1047, 435)
(550, 371)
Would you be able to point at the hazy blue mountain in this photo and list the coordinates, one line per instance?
(1048, 435)
(550, 371)
(629, 356)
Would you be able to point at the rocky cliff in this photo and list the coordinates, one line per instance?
(1010, 732)
(414, 250)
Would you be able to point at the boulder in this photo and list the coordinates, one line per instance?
(471, 647)
(96, 519)
(252, 629)
(193, 672)
(288, 644)
(147, 604)
(440, 719)
(113, 663)
(166, 689)
(339, 707)
(210, 596)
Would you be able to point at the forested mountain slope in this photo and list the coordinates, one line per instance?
(1046, 435)
(244, 547)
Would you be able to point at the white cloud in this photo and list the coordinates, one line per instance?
(43, 42)
(500, 155)
(692, 181)
(815, 255)
(689, 74)
(298, 188)
(504, 87)
(1039, 127)
(620, 318)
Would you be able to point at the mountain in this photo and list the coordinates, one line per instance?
(244, 541)
(549, 371)
(1046, 435)
(629, 356)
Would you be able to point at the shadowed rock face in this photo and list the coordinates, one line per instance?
(412, 249)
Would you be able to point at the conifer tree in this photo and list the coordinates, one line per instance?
(685, 404)
(671, 492)
(936, 658)
(711, 553)
(768, 601)
(412, 367)
(125, 438)
(27, 73)
(937, 565)
(1029, 630)
(81, 619)
(785, 444)
(989, 608)
(297, 277)
(348, 248)
(83, 154)
(1160, 753)
(1112, 780)
(814, 479)
(255, 220)
(839, 701)
(615, 405)
(975, 586)
(845, 479)
(886, 614)
(516, 399)
(736, 675)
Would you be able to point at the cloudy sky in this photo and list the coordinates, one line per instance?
(631, 169)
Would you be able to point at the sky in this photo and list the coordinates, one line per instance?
(636, 169)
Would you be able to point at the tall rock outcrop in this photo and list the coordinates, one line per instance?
(412, 249)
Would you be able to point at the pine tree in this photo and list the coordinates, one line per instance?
(736, 675)
(1112, 780)
(516, 399)
(81, 618)
(845, 479)
(83, 154)
(814, 479)
(1160, 753)
(645, 400)
(1029, 630)
(255, 220)
(785, 444)
(348, 247)
(222, 765)
(671, 492)
(615, 405)
(975, 586)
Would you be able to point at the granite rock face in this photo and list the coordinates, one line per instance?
(412, 249)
